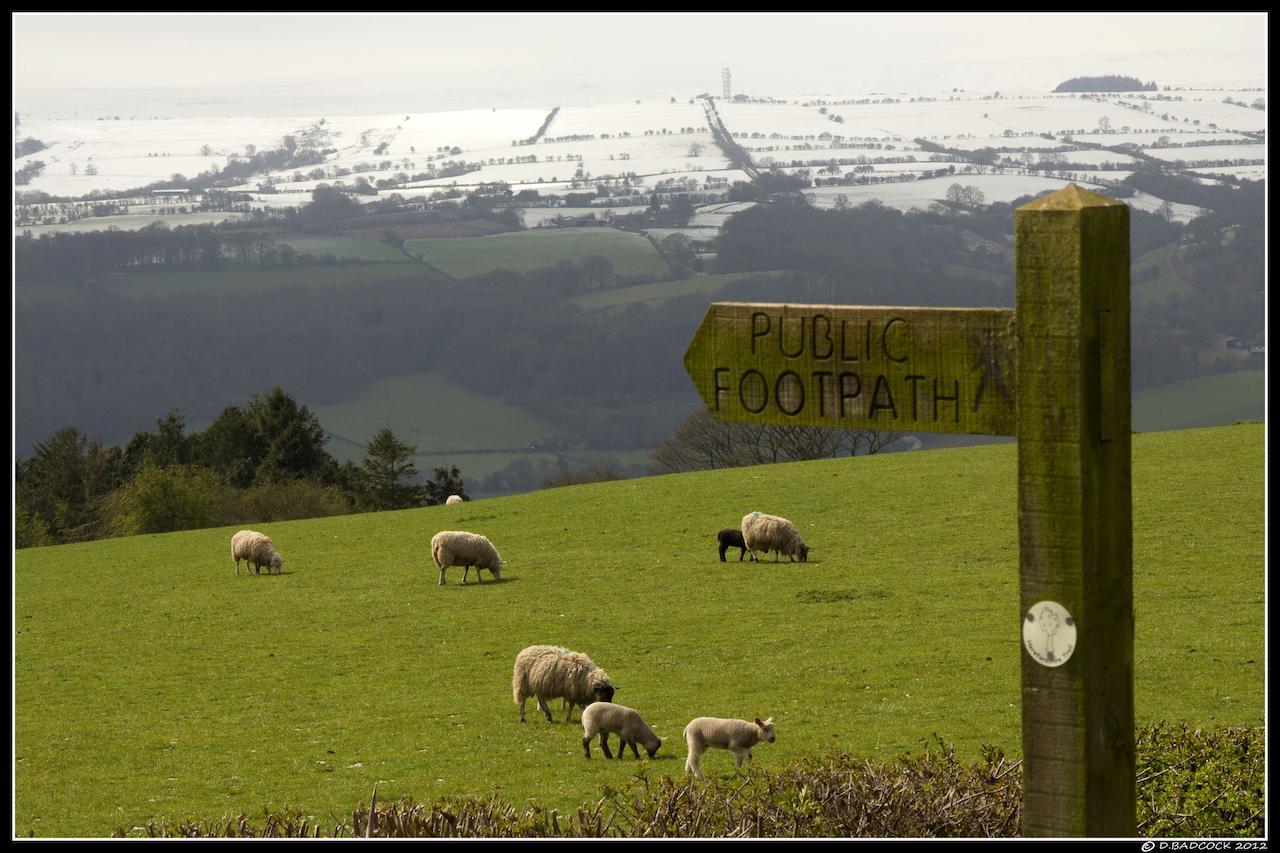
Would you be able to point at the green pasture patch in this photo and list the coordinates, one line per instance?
(660, 291)
(342, 246)
(415, 230)
(1166, 284)
(975, 274)
(1216, 400)
(152, 682)
(450, 426)
(630, 254)
(235, 279)
(427, 410)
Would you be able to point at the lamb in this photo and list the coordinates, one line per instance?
(547, 672)
(761, 532)
(737, 736)
(460, 548)
(603, 718)
(453, 499)
(730, 538)
(256, 550)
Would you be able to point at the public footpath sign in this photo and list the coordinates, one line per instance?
(1054, 372)
(930, 369)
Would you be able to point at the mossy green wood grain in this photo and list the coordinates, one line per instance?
(921, 369)
(1074, 509)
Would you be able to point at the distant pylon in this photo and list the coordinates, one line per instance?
(724, 76)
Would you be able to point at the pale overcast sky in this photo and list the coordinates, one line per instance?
(200, 50)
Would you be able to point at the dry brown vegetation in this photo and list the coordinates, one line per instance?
(1191, 783)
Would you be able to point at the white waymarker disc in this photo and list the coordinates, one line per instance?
(1049, 633)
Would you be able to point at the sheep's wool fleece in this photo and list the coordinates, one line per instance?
(550, 671)
(717, 731)
(770, 533)
(460, 548)
(252, 546)
(607, 716)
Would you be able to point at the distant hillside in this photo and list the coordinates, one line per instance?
(1106, 83)
(1205, 401)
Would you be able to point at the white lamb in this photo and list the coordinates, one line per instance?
(460, 548)
(547, 672)
(737, 736)
(453, 499)
(761, 532)
(605, 718)
(256, 550)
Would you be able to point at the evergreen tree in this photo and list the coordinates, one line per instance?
(385, 479)
(169, 444)
(230, 446)
(444, 482)
(50, 484)
(291, 437)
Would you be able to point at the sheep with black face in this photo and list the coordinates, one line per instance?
(762, 532)
(548, 672)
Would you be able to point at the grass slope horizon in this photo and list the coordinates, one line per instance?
(152, 682)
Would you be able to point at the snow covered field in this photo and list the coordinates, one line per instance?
(655, 141)
(537, 217)
(636, 119)
(133, 153)
(1194, 153)
(920, 194)
(1250, 173)
(130, 222)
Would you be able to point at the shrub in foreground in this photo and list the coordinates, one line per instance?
(1191, 783)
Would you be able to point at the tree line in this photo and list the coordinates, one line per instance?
(1106, 83)
(66, 256)
(265, 461)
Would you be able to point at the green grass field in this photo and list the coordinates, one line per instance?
(427, 410)
(1207, 401)
(975, 274)
(152, 682)
(479, 434)
(631, 254)
(1166, 284)
(659, 291)
(342, 246)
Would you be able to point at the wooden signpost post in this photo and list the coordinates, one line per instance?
(1054, 372)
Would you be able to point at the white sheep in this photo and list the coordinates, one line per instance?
(761, 532)
(605, 718)
(460, 548)
(737, 736)
(548, 672)
(256, 550)
(453, 499)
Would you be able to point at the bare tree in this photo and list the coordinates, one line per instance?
(701, 442)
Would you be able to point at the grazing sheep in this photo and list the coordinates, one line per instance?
(453, 499)
(604, 718)
(256, 550)
(460, 548)
(761, 532)
(548, 672)
(730, 538)
(737, 736)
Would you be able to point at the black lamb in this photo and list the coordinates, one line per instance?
(731, 538)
